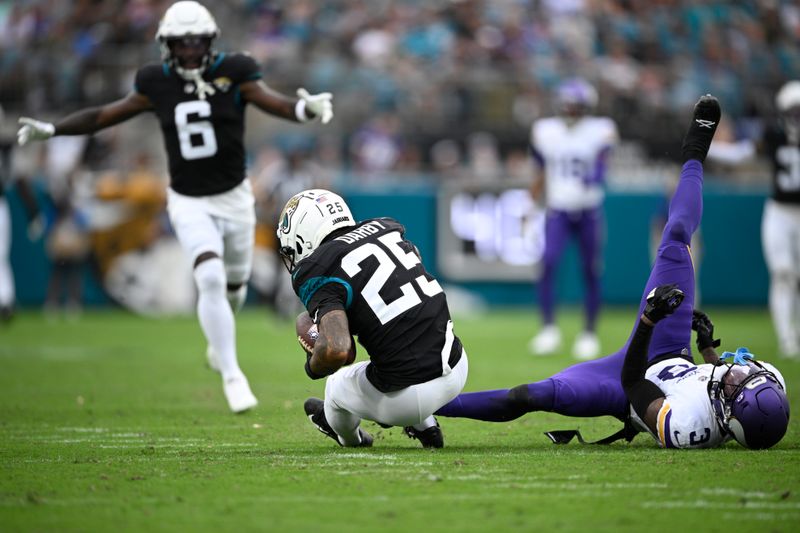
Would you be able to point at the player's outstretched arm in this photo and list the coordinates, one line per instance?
(85, 121)
(306, 107)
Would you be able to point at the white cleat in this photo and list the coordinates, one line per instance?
(790, 350)
(211, 357)
(237, 392)
(587, 346)
(547, 341)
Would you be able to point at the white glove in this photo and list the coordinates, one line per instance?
(319, 104)
(33, 130)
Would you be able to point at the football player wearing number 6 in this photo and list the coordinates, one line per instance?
(652, 382)
(366, 279)
(199, 96)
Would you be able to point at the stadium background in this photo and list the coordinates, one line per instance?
(435, 95)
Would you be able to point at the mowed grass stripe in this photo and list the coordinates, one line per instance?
(114, 422)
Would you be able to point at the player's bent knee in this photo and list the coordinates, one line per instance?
(519, 398)
(203, 257)
(237, 294)
(679, 231)
(784, 277)
(210, 276)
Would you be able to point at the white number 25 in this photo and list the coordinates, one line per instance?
(351, 263)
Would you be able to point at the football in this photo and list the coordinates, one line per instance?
(307, 335)
(306, 331)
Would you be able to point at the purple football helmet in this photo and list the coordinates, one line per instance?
(751, 404)
(576, 96)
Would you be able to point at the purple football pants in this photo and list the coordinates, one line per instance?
(593, 388)
(560, 226)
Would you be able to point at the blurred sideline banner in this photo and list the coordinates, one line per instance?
(487, 239)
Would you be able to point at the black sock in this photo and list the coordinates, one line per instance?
(701, 131)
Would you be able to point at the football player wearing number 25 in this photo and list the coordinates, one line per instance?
(367, 279)
(199, 96)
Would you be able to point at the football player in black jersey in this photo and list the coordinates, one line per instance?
(780, 225)
(780, 228)
(366, 279)
(199, 96)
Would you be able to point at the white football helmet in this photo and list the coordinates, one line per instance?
(788, 103)
(186, 19)
(307, 218)
(788, 96)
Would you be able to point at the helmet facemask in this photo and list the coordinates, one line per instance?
(750, 404)
(185, 37)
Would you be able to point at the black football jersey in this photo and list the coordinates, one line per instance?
(785, 158)
(398, 311)
(203, 138)
(5, 166)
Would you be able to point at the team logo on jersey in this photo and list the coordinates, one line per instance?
(223, 83)
(188, 88)
(288, 211)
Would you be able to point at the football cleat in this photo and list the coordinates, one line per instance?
(237, 392)
(429, 438)
(315, 410)
(587, 346)
(701, 131)
(547, 341)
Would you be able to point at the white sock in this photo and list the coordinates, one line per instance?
(236, 298)
(216, 316)
(782, 300)
(425, 424)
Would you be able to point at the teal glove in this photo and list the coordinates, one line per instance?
(741, 356)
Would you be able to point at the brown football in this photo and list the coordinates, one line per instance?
(307, 334)
(306, 331)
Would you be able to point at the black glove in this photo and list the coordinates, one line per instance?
(705, 330)
(662, 301)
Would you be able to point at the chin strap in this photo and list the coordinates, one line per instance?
(628, 432)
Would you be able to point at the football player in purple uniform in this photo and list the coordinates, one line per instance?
(571, 151)
(652, 382)
(199, 96)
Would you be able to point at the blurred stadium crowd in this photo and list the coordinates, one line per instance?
(423, 90)
(430, 85)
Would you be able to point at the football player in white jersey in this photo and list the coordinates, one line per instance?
(571, 152)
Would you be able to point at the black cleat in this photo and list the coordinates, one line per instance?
(315, 410)
(6, 314)
(704, 123)
(430, 438)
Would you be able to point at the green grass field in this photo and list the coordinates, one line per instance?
(113, 423)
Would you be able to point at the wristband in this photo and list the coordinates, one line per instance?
(310, 373)
(300, 111)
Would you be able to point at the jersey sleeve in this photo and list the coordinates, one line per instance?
(610, 134)
(243, 68)
(145, 79)
(681, 425)
(321, 292)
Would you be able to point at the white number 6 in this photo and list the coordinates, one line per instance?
(186, 129)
